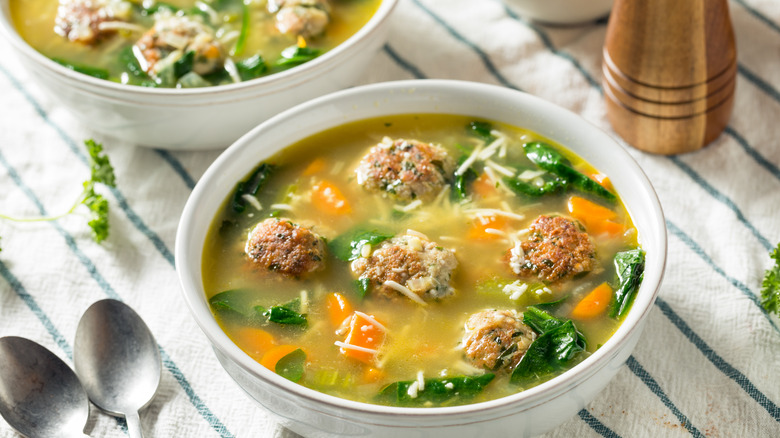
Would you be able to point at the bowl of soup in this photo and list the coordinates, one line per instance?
(191, 74)
(435, 258)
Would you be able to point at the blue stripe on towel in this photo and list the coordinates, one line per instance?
(756, 13)
(414, 71)
(485, 59)
(177, 167)
(726, 368)
(205, 412)
(596, 425)
(766, 164)
(648, 380)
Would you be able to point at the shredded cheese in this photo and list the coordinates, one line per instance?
(356, 347)
(371, 319)
(406, 291)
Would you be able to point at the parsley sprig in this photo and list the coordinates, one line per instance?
(101, 172)
(770, 287)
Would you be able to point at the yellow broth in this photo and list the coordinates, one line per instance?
(420, 338)
(35, 22)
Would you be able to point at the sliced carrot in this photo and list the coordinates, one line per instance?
(272, 356)
(316, 166)
(254, 341)
(328, 199)
(363, 333)
(602, 179)
(479, 230)
(338, 307)
(483, 186)
(371, 375)
(594, 303)
(597, 218)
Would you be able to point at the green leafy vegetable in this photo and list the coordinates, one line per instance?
(523, 188)
(558, 342)
(237, 301)
(445, 391)
(183, 65)
(99, 73)
(463, 180)
(295, 55)
(284, 315)
(252, 67)
(347, 247)
(362, 286)
(242, 303)
(770, 286)
(291, 366)
(482, 130)
(251, 186)
(630, 266)
(549, 159)
(158, 6)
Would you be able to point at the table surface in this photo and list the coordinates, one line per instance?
(706, 365)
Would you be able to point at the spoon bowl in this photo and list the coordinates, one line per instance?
(117, 360)
(40, 396)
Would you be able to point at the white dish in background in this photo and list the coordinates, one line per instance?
(562, 11)
(198, 118)
(528, 413)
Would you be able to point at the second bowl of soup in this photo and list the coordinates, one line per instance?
(436, 255)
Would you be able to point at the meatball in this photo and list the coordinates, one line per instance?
(406, 169)
(557, 249)
(307, 18)
(83, 20)
(172, 37)
(284, 247)
(496, 339)
(411, 262)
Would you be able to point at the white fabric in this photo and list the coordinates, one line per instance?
(706, 365)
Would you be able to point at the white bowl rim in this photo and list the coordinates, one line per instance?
(297, 73)
(552, 388)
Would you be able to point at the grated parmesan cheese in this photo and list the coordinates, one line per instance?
(405, 290)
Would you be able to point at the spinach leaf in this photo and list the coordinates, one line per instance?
(558, 342)
(157, 7)
(630, 266)
(463, 180)
(252, 67)
(482, 130)
(284, 315)
(251, 186)
(130, 64)
(291, 366)
(238, 49)
(362, 286)
(183, 65)
(241, 303)
(549, 159)
(445, 391)
(99, 73)
(347, 246)
(523, 188)
(295, 55)
(235, 301)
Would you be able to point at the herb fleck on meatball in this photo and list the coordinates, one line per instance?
(496, 339)
(284, 247)
(557, 249)
(406, 169)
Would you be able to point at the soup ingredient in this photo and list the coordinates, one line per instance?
(557, 344)
(444, 391)
(89, 21)
(177, 45)
(594, 303)
(364, 338)
(242, 303)
(549, 159)
(101, 172)
(328, 199)
(597, 218)
(272, 357)
(770, 286)
(291, 366)
(339, 309)
(350, 245)
(557, 249)
(279, 245)
(285, 314)
(307, 18)
(408, 265)
(251, 187)
(406, 169)
(496, 339)
(630, 266)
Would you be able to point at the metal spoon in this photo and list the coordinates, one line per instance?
(40, 396)
(117, 360)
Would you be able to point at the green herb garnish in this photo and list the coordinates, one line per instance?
(770, 286)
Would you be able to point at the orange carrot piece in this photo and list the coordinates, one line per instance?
(602, 179)
(478, 231)
(363, 333)
(594, 303)
(328, 199)
(597, 218)
(316, 166)
(272, 356)
(338, 307)
(254, 341)
(371, 375)
(483, 187)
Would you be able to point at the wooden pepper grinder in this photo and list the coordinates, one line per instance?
(669, 72)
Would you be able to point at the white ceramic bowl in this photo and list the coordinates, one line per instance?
(531, 412)
(562, 11)
(204, 118)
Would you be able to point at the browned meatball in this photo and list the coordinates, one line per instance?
(88, 21)
(406, 169)
(307, 18)
(557, 249)
(284, 247)
(414, 263)
(496, 339)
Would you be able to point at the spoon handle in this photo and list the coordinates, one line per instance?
(133, 425)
